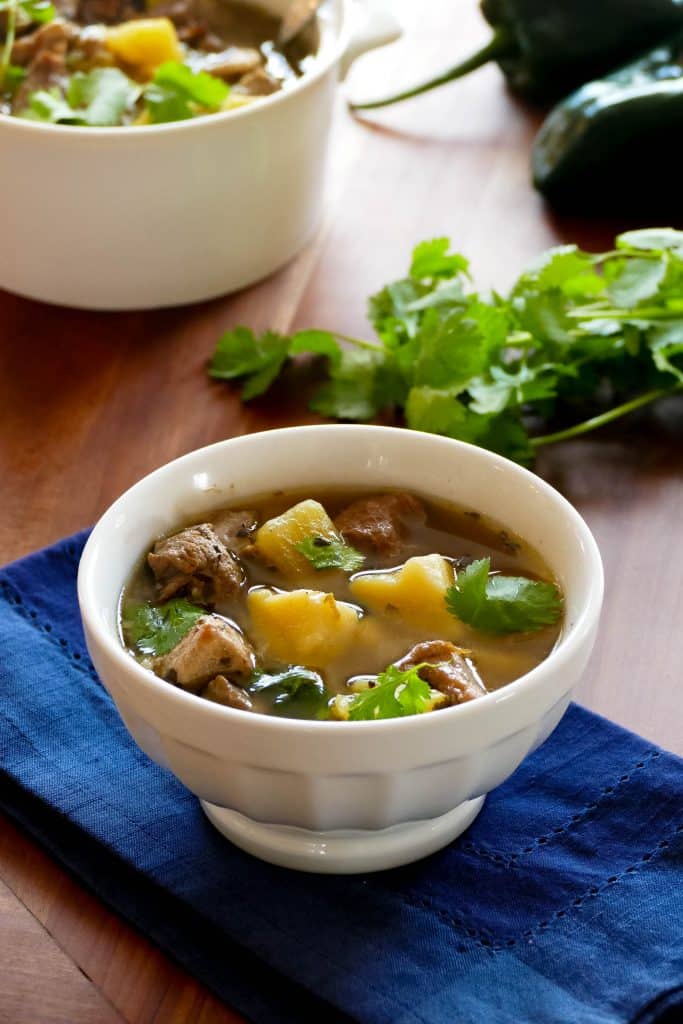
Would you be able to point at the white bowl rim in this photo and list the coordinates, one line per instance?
(566, 649)
(99, 132)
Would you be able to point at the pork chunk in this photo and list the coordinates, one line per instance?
(46, 37)
(446, 670)
(111, 12)
(232, 63)
(378, 525)
(221, 691)
(212, 647)
(66, 8)
(51, 53)
(190, 26)
(43, 54)
(235, 528)
(257, 83)
(197, 563)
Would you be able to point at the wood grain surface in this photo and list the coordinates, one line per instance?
(90, 402)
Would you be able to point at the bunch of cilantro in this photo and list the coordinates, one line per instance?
(579, 332)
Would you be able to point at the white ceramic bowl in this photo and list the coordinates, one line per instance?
(132, 218)
(341, 796)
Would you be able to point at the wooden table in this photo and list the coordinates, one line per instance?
(91, 402)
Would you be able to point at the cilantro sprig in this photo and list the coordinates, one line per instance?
(177, 93)
(396, 693)
(97, 98)
(156, 629)
(328, 553)
(38, 11)
(502, 604)
(579, 335)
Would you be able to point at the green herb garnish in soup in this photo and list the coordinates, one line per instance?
(109, 63)
(502, 604)
(339, 605)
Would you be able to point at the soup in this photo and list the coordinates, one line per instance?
(341, 605)
(120, 62)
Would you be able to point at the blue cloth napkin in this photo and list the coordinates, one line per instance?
(562, 904)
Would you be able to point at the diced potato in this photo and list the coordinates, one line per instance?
(277, 538)
(304, 627)
(415, 593)
(144, 44)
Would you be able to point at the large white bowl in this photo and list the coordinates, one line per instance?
(340, 796)
(132, 218)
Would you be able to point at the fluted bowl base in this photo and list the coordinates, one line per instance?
(342, 851)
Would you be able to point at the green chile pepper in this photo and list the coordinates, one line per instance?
(612, 144)
(547, 47)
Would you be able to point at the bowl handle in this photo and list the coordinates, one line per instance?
(374, 25)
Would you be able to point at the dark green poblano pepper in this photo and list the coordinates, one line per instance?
(545, 48)
(611, 146)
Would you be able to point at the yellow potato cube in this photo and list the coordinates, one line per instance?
(303, 627)
(415, 593)
(144, 44)
(278, 537)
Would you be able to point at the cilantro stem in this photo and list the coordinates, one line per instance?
(361, 342)
(606, 417)
(502, 44)
(639, 313)
(10, 32)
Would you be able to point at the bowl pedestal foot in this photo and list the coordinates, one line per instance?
(343, 851)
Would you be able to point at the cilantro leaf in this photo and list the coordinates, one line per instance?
(451, 351)
(156, 629)
(352, 392)
(98, 98)
(493, 321)
(636, 280)
(502, 604)
(200, 87)
(503, 388)
(49, 105)
(432, 260)
(239, 353)
(295, 692)
(40, 11)
(666, 342)
(396, 694)
(327, 553)
(651, 238)
(544, 315)
(178, 93)
(391, 311)
(319, 343)
(436, 411)
(440, 412)
(104, 94)
(558, 266)
(449, 294)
